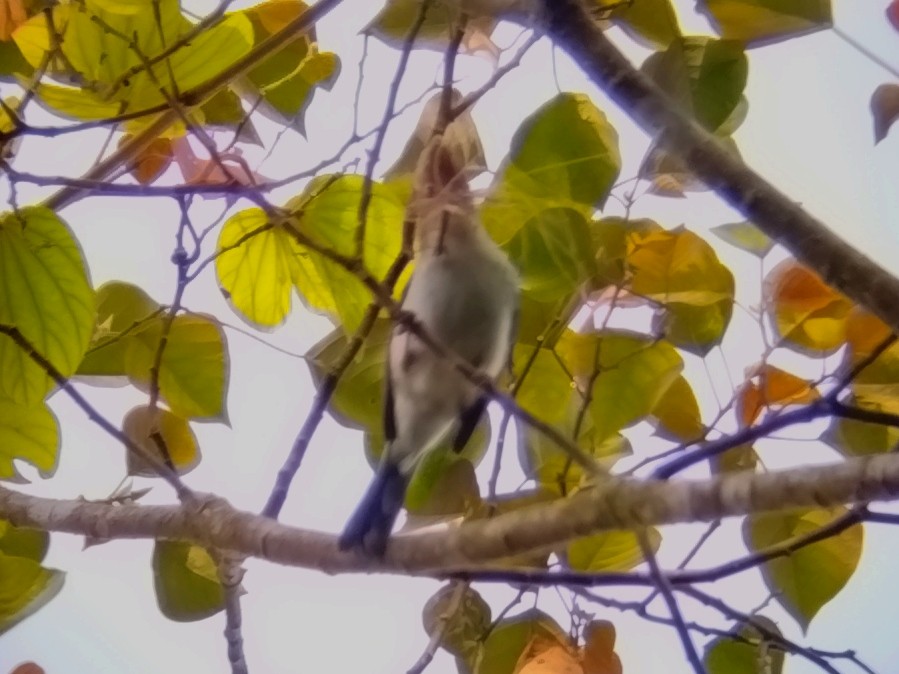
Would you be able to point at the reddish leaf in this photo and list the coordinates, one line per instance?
(28, 668)
(229, 168)
(884, 109)
(892, 13)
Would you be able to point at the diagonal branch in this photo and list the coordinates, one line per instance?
(779, 217)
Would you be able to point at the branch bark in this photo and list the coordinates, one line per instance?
(807, 238)
(615, 504)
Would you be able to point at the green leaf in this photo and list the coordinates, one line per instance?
(705, 76)
(12, 63)
(460, 631)
(97, 38)
(394, 22)
(552, 252)
(810, 577)
(193, 375)
(750, 654)
(634, 373)
(629, 375)
(358, 400)
(650, 22)
(290, 95)
(565, 155)
(501, 650)
(745, 236)
(28, 433)
(682, 272)
(25, 586)
(552, 468)
(610, 551)
(761, 22)
(328, 213)
(288, 77)
(23, 542)
(186, 582)
(224, 109)
(123, 310)
(851, 437)
(48, 298)
(734, 460)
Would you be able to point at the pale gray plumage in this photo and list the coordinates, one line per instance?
(464, 292)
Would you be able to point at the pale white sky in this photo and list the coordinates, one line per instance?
(808, 131)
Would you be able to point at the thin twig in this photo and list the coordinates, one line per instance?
(663, 585)
(374, 153)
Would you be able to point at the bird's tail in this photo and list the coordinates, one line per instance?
(370, 524)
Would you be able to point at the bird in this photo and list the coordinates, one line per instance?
(464, 293)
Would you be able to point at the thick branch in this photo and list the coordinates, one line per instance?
(779, 217)
(615, 504)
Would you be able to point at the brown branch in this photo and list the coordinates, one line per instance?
(779, 217)
(616, 504)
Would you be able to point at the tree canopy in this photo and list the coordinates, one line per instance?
(623, 382)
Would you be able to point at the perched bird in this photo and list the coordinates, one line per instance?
(464, 293)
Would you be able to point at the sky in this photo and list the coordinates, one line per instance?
(808, 131)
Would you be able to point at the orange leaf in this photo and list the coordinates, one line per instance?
(749, 404)
(807, 312)
(12, 15)
(275, 14)
(864, 332)
(599, 655)
(779, 387)
(543, 655)
(152, 161)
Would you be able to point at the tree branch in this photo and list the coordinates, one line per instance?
(808, 239)
(615, 504)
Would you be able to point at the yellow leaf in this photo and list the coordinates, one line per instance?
(677, 412)
(25, 586)
(163, 435)
(763, 21)
(610, 551)
(28, 433)
(256, 266)
(546, 657)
